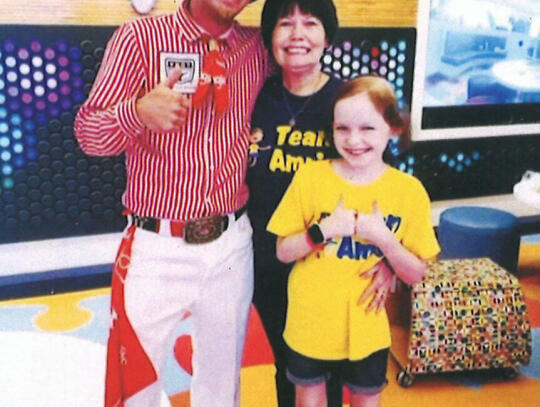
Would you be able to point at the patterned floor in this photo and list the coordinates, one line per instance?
(52, 350)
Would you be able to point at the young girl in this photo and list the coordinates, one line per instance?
(337, 219)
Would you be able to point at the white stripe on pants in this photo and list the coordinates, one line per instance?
(168, 277)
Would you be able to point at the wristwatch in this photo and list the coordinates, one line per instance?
(315, 234)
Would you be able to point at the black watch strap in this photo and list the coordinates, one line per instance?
(315, 234)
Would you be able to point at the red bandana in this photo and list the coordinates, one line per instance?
(212, 79)
(129, 370)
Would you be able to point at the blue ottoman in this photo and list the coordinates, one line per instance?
(473, 231)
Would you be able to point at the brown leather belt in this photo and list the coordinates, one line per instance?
(195, 231)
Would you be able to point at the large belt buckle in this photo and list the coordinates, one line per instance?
(203, 230)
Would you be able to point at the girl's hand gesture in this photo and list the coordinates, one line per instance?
(371, 226)
(340, 222)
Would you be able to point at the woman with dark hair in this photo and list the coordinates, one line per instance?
(289, 127)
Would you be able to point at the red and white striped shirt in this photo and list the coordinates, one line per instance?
(199, 170)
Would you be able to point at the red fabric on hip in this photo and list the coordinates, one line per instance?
(129, 369)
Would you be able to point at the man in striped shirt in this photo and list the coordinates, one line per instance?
(187, 249)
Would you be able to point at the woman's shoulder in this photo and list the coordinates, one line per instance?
(268, 98)
(271, 90)
(334, 81)
(272, 83)
(333, 84)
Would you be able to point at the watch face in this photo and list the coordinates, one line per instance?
(315, 234)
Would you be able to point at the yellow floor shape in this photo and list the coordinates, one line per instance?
(63, 312)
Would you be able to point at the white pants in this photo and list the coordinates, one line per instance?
(168, 277)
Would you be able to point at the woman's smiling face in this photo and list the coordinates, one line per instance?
(298, 42)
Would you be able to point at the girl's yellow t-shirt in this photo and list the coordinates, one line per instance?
(323, 318)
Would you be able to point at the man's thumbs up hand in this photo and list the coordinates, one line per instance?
(164, 109)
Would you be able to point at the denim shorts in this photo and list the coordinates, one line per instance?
(366, 376)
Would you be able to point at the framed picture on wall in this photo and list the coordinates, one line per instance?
(477, 69)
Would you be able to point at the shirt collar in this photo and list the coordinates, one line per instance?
(192, 31)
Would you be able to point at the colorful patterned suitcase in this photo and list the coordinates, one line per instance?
(466, 314)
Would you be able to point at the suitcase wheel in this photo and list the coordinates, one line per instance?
(405, 379)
